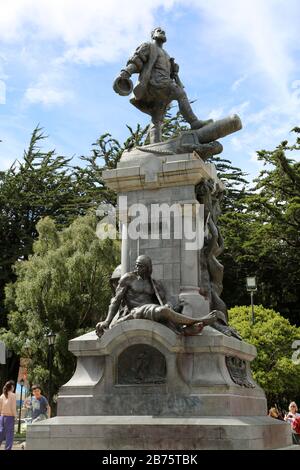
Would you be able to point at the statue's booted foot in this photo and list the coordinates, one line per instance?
(198, 123)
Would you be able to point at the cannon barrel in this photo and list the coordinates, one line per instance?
(218, 129)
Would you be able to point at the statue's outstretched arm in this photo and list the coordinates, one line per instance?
(114, 306)
(136, 62)
(115, 303)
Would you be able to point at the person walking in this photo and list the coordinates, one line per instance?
(39, 405)
(293, 417)
(8, 412)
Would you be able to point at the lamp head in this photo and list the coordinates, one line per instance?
(251, 283)
(51, 338)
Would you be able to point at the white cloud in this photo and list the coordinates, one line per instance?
(93, 31)
(259, 41)
(266, 128)
(50, 88)
(256, 38)
(89, 31)
(52, 34)
(260, 33)
(237, 83)
(46, 95)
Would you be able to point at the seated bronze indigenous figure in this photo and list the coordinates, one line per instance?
(138, 296)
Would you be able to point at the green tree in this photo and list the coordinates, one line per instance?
(64, 286)
(273, 337)
(276, 201)
(262, 236)
(42, 184)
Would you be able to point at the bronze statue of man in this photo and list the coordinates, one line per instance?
(157, 86)
(138, 296)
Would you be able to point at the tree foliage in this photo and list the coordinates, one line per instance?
(262, 236)
(43, 184)
(63, 287)
(273, 337)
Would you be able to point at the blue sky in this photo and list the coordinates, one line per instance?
(58, 61)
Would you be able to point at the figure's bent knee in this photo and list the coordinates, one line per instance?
(160, 310)
(136, 315)
(178, 93)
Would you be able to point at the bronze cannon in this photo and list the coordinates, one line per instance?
(203, 141)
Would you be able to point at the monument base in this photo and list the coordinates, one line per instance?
(141, 386)
(154, 433)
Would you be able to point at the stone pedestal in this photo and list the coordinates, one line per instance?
(141, 367)
(152, 433)
(144, 387)
(141, 386)
(147, 185)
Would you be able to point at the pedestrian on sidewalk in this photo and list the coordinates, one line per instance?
(293, 417)
(8, 412)
(39, 405)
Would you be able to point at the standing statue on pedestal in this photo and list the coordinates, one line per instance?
(158, 84)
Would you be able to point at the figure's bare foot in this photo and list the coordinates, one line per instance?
(192, 330)
(210, 319)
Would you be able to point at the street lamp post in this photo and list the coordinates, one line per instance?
(20, 407)
(251, 287)
(51, 340)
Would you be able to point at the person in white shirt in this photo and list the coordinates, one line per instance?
(8, 411)
(293, 417)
